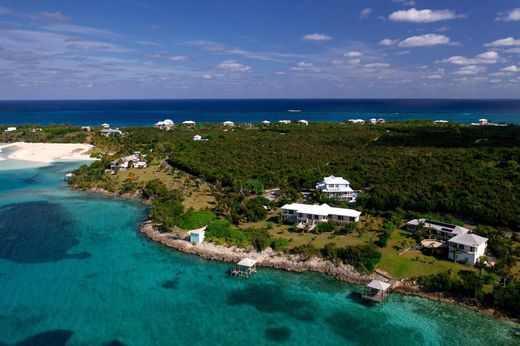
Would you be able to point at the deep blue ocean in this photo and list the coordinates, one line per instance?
(74, 270)
(147, 112)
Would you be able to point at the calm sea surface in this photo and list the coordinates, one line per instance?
(75, 270)
(147, 112)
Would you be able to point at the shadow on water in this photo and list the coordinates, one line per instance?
(279, 334)
(271, 299)
(171, 284)
(37, 232)
(115, 343)
(49, 338)
(372, 328)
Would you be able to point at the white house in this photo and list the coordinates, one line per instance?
(105, 126)
(373, 121)
(197, 236)
(198, 138)
(86, 128)
(312, 214)
(303, 122)
(110, 132)
(266, 122)
(166, 124)
(336, 188)
(356, 121)
(483, 121)
(189, 123)
(10, 129)
(284, 121)
(136, 160)
(442, 230)
(228, 123)
(440, 121)
(467, 248)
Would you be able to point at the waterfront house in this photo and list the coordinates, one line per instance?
(136, 160)
(10, 129)
(197, 236)
(440, 121)
(373, 121)
(245, 268)
(313, 214)
(441, 230)
(110, 132)
(467, 248)
(86, 128)
(166, 125)
(336, 188)
(105, 126)
(188, 123)
(356, 121)
(228, 123)
(266, 122)
(303, 122)
(284, 122)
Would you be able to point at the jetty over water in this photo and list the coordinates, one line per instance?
(377, 291)
(245, 268)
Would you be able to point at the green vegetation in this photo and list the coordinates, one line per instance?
(196, 219)
(167, 204)
(222, 232)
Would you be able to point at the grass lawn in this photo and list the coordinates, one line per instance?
(197, 194)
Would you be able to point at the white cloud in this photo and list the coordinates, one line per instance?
(509, 16)
(207, 76)
(317, 37)
(57, 15)
(365, 13)
(280, 73)
(405, 2)
(433, 76)
(377, 65)
(337, 62)
(305, 64)
(80, 29)
(470, 70)
(423, 16)
(353, 54)
(354, 61)
(234, 66)
(388, 42)
(504, 42)
(425, 40)
(166, 56)
(513, 50)
(512, 68)
(490, 57)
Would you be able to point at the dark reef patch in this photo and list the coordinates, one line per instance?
(115, 343)
(355, 328)
(280, 334)
(37, 232)
(272, 299)
(170, 284)
(57, 337)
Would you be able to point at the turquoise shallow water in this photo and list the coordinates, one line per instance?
(74, 270)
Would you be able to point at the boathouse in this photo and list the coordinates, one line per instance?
(376, 291)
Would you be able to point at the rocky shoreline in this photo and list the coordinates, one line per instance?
(293, 263)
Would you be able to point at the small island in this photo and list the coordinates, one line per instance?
(396, 202)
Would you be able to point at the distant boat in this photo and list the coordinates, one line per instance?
(294, 110)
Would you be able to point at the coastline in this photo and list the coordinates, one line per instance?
(295, 263)
(47, 153)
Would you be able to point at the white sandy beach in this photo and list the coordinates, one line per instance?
(45, 153)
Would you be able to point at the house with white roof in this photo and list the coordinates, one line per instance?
(228, 123)
(356, 121)
(336, 188)
(189, 123)
(197, 236)
(303, 122)
(266, 122)
(136, 160)
(467, 248)
(373, 121)
(110, 132)
(442, 230)
(313, 214)
(105, 126)
(10, 129)
(284, 121)
(166, 125)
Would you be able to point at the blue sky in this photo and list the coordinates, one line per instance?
(259, 49)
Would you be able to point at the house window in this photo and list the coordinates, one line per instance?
(461, 247)
(291, 212)
(315, 217)
(472, 249)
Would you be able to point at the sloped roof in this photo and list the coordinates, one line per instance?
(335, 180)
(247, 262)
(379, 285)
(468, 239)
(323, 209)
